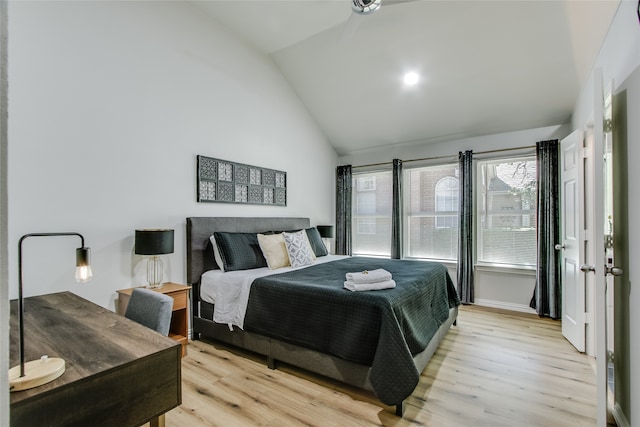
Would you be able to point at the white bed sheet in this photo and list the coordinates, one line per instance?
(229, 291)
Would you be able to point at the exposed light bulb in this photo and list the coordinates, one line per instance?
(83, 273)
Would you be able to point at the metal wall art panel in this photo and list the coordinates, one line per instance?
(229, 182)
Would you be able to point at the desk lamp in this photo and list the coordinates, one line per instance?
(39, 372)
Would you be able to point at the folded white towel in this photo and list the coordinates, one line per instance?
(371, 276)
(387, 284)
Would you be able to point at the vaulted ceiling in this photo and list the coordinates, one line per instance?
(484, 67)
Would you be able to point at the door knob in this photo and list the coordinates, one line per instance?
(614, 271)
(587, 268)
(558, 246)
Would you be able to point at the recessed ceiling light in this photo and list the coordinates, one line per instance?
(411, 78)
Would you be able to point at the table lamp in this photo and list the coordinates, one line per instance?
(154, 242)
(326, 232)
(39, 372)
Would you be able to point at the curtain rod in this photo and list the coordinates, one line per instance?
(446, 157)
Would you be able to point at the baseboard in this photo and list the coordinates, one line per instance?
(618, 415)
(504, 305)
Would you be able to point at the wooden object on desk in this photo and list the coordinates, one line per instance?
(118, 373)
(179, 330)
(36, 373)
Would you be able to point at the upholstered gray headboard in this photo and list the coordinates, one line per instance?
(200, 229)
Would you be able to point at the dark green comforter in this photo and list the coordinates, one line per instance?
(382, 329)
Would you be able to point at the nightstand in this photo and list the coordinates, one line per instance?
(179, 330)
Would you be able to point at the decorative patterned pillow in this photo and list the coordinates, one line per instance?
(274, 250)
(299, 249)
(239, 251)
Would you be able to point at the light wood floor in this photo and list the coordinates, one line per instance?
(495, 368)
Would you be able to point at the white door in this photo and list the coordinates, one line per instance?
(572, 234)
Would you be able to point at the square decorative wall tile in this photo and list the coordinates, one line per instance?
(270, 178)
(207, 190)
(208, 169)
(255, 194)
(268, 196)
(255, 176)
(225, 172)
(242, 174)
(225, 192)
(241, 193)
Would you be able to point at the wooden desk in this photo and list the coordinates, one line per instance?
(179, 329)
(118, 373)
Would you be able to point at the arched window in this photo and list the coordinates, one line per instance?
(447, 202)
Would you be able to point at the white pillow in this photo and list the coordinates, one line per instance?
(299, 249)
(216, 253)
(274, 250)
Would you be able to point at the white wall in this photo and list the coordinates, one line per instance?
(500, 141)
(4, 301)
(502, 288)
(109, 104)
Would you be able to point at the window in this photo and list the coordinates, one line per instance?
(366, 226)
(371, 215)
(432, 212)
(366, 202)
(366, 183)
(447, 195)
(506, 206)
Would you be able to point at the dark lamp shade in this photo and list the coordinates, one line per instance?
(154, 242)
(326, 231)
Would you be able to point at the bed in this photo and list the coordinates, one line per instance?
(379, 341)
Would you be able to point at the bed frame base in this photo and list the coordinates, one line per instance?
(323, 364)
(271, 363)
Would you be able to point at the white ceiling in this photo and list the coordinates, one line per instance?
(486, 66)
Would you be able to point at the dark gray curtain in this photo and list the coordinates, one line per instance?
(547, 295)
(465, 228)
(396, 211)
(343, 210)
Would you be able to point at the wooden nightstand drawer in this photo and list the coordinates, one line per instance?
(179, 300)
